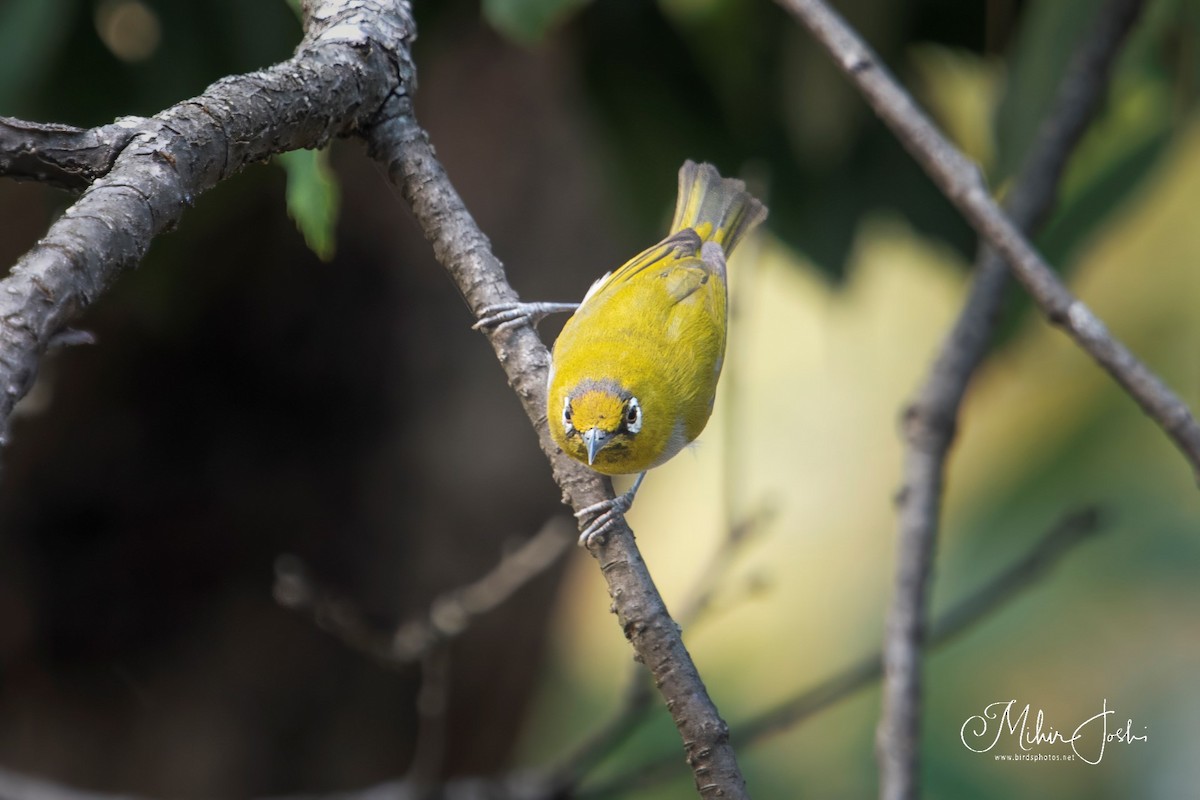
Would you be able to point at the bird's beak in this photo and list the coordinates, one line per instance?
(594, 440)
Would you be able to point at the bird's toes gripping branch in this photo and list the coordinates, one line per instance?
(607, 512)
(503, 316)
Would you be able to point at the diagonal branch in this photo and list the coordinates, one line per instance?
(930, 421)
(1023, 574)
(448, 617)
(1071, 530)
(400, 143)
(566, 773)
(354, 60)
(353, 56)
(62, 155)
(961, 182)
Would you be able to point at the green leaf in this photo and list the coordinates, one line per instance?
(313, 198)
(527, 21)
(295, 6)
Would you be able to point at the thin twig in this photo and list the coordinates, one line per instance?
(930, 421)
(353, 73)
(711, 577)
(961, 182)
(565, 775)
(399, 143)
(966, 614)
(1070, 531)
(448, 616)
(1023, 574)
(433, 700)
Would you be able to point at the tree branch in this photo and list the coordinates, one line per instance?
(1033, 566)
(448, 616)
(961, 182)
(353, 56)
(930, 421)
(1023, 574)
(399, 143)
(354, 60)
(569, 770)
(62, 155)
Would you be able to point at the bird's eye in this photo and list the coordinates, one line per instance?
(633, 415)
(567, 414)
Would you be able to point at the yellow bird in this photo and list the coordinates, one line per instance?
(634, 371)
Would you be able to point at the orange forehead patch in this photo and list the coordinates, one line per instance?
(597, 408)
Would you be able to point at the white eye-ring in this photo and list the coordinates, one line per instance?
(633, 415)
(568, 426)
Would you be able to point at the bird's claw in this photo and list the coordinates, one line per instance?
(607, 512)
(503, 316)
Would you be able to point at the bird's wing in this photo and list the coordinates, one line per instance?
(683, 246)
(684, 276)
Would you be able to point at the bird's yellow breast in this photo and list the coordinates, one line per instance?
(635, 370)
(657, 335)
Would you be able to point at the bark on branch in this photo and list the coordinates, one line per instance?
(62, 155)
(352, 73)
(960, 180)
(448, 617)
(353, 56)
(402, 146)
(930, 421)
(989, 598)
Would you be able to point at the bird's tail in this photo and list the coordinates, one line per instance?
(719, 209)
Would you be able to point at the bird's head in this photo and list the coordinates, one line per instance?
(600, 422)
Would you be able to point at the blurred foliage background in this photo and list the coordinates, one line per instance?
(251, 396)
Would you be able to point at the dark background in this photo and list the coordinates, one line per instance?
(246, 400)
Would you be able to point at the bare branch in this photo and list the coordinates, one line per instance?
(1023, 574)
(1026, 572)
(930, 421)
(569, 771)
(400, 143)
(709, 580)
(961, 182)
(636, 697)
(353, 72)
(449, 615)
(354, 55)
(433, 699)
(62, 155)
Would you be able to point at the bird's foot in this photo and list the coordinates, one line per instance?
(607, 512)
(503, 316)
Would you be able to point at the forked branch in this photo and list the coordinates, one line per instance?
(399, 143)
(352, 74)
